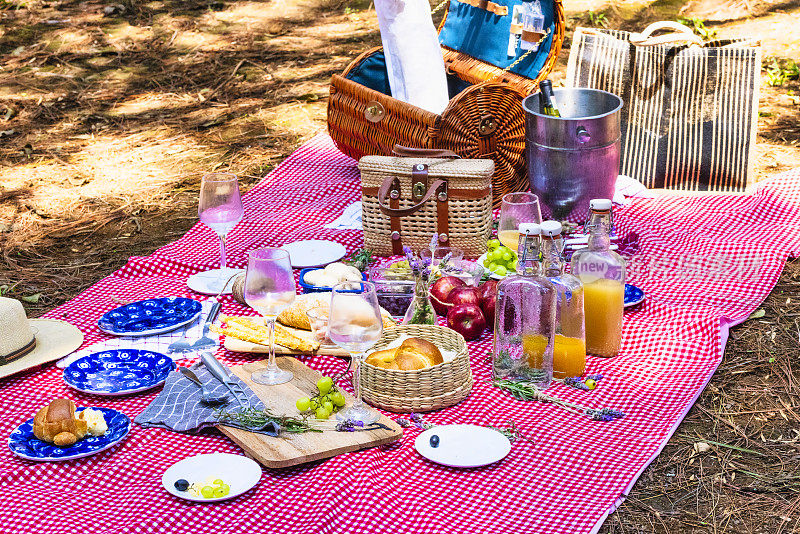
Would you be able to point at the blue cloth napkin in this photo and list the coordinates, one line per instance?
(178, 407)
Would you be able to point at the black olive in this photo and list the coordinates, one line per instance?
(181, 485)
(434, 441)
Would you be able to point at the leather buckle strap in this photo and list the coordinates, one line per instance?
(19, 353)
(491, 7)
(391, 211)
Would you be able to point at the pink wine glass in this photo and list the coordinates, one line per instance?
(220, 209)
(269, 289)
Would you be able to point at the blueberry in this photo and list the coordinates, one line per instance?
(181, 485)
(434, 441)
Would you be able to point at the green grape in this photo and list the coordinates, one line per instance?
(508, 256)
(338, 399)
(487, 262)
(303, 404)
(207, 492)
(493, 244)
(501, 270)
(218, 492)
(324, 385)
(492, 255)
(218, 482)
(226, 489)
(322, 413)
(328, 405)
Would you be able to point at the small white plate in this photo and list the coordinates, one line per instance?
(463, 445)
(237, 471)
(314, 252)
(210, 282)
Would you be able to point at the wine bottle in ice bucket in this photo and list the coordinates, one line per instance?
(547, 103)
(602, 272)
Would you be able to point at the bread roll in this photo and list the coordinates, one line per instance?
(413, 354)
(295, 315)
(56, 423)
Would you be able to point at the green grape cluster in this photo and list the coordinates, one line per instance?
(500, 259)
(327, 400)
(215, 490)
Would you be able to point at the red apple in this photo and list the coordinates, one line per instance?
(488, 292)
(441, 289)
(467, 320)
(487, 289)
(464, 295)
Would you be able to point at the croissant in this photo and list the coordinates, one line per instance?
(56, 423)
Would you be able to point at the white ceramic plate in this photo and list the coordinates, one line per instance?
(463, 445)
(237, 471)
(314, 252)
(210, 282)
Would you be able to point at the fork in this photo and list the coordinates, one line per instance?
(183, 345)
(206, 341)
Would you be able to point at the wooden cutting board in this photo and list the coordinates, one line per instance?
(275, 453)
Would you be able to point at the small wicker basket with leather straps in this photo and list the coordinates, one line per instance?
(484, 119)
(424, 390)
(405, 200)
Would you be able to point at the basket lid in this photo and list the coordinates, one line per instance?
(485, 30)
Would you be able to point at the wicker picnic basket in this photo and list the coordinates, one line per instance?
(424, 390)
(484, 118)
(397, 214)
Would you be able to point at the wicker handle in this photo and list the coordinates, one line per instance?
(679, 34)
(408, 152)
(383, 193)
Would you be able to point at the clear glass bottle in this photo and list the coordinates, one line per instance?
(532, 21)
(420, 310)
(569, 345)
(525, 317)
(602, 272)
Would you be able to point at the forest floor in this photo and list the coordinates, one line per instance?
(111, 112)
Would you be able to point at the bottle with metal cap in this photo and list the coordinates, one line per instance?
(602, 272)
(525, 316)
(547, 99)
(569, 346)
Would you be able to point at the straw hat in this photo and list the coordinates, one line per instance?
(27, 343)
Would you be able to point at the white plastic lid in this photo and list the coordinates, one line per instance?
(530, 229)
(551, 228)
(601, 204)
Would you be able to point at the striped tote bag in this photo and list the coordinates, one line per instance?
(691, 107)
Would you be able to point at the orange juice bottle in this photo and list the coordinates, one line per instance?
(569, 347)
(602, 272)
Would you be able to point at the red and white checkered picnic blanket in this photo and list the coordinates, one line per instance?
(568, 480)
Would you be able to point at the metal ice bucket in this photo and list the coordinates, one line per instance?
(573, 158)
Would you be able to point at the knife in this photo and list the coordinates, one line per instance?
(221, 373)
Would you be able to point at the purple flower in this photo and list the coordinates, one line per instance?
(415, 418)
(434, 240)
(403, 422)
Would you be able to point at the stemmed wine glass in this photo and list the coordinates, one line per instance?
(269, 289)
(355, 325)
(517, 208)
(220, 208)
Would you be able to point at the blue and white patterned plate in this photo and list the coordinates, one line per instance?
(148, 317)
(633, 295)
(23, 443)
(118, 372)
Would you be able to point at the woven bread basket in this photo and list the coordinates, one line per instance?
(424, 390)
